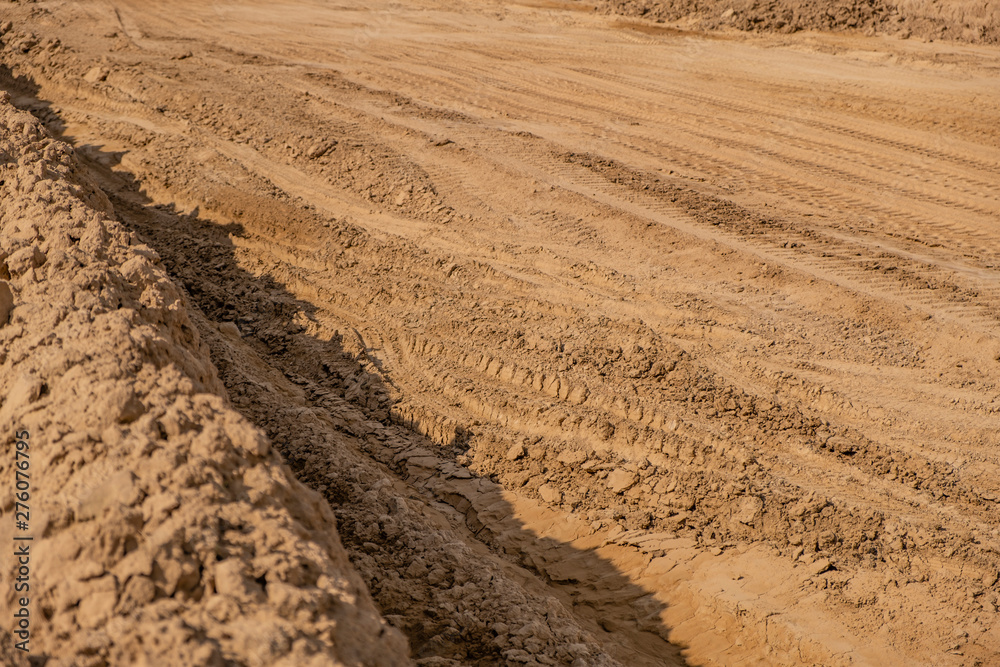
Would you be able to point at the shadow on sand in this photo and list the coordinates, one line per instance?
(202, 257)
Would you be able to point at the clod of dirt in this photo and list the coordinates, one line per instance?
(96, 74)
(6, 302)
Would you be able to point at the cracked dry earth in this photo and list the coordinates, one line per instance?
(605, 343)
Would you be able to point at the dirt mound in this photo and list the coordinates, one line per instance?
(165, 529)
(185, 538)
(966, 21)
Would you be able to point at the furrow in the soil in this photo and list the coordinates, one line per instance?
(558, 388)
(827, 268)
(810, 196)
(252, 386)
(664, 107)
(779, 172)
(815, 117)
(861, 205)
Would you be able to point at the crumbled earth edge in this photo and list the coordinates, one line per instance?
(168, 531)
(962, 21)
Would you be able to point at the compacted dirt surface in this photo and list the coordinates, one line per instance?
(583, 339)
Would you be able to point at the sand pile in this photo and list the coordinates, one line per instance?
(966, 20)
(165, 528)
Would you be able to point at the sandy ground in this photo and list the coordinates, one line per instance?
(971, 21)
(676, 347)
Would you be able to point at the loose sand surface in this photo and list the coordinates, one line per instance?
(499, 333)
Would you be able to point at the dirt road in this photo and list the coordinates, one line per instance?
(696, 334)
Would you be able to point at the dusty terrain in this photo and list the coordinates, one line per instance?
(607, 342)
(976, 21)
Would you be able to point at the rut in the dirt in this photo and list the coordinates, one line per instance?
(428, 572)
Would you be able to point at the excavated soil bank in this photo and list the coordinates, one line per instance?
(962, 20)
(165, 528)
